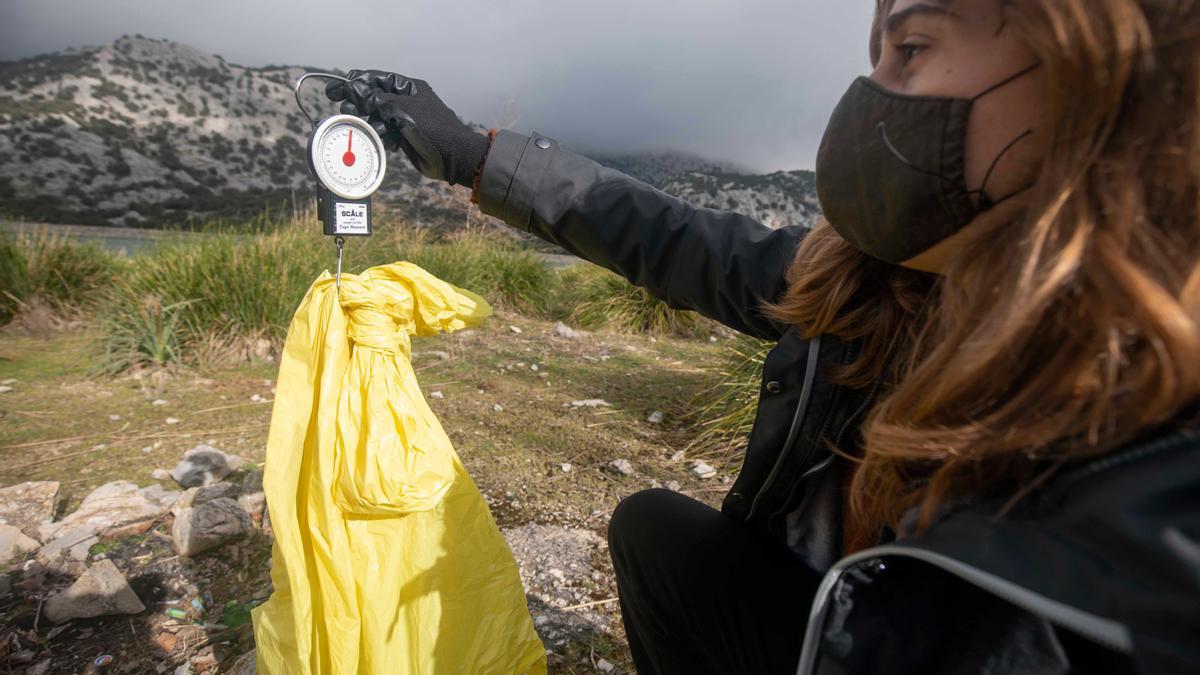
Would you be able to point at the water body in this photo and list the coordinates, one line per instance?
(124, 240)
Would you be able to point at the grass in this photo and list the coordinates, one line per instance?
(725, 411)
(210, 295)
(51, 270)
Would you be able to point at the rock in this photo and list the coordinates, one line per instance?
(252, 503)
(436, 394)
(621, 466)
(677, 456)
(5, 389)
(245, 664)
(590, 403)
(68, 547)
(172, 420)
(712, 338)
(210, 524)
(674, 486)
(703, 470)
(252, 482)
(564, 331)
(8, 381)
(101, 591)
(160, 474)
(110, 505)
(114, 418)
(28, 505)
(566, 467)
(497, 408)
(533, 367)
(515, 329)
(161, 496)
(656, 417)
(204, 465)
(15, 544)
(604, 666)
(158, 401)
(256, 399)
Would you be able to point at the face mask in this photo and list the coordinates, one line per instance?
(890, 169)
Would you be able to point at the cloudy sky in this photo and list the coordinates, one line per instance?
(751, 81)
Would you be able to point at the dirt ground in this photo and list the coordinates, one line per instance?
(505, 399)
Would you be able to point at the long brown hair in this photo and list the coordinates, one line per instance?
(1056, 337)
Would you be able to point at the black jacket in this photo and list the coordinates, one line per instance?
(1100, 573)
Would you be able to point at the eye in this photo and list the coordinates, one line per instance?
(909, 50)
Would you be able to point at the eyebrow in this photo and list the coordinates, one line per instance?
(896, 21)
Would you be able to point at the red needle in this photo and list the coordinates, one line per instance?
(348, 157)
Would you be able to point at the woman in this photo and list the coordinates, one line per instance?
(976, 447)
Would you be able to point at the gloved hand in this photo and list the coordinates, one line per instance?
(407, 114)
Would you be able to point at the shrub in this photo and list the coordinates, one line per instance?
(724, 413)
(64, 274)
(608, 300)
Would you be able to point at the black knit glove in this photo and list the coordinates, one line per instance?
(408, 115)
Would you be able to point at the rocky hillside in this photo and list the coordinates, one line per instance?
(144, 133)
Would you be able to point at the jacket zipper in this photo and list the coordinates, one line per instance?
(1112, 634)
(1104, 631)
(810, 370)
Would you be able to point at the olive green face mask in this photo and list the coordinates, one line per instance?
(890, 169)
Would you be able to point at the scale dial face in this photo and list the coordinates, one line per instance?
(347, 157)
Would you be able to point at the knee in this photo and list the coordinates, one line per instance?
(633, 517)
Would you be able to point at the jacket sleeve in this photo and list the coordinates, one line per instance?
(718, 263)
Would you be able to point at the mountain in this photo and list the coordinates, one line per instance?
(145, 133)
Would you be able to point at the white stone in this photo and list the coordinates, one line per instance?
(677, 456)
(604, 666)
(114, 418)
(110, 505)
(703, 470)
(101, 591)
(27, 506)
(15, 544)
(590, 403)
(674, 485)
(497, 408)
(5, 389)
(204, 465)
(566, 467)
(622, 466)
(515, 329)
(160, 474)
(158, 401)
(564, 331)
(172, 420)
(9, 381)
(255, 398)
(655, 417)
(533, 366)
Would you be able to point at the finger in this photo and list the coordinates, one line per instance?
(335, 90)
(348, 108)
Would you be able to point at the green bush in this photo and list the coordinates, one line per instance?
(608, 300)
(62, 273)
(724, 413)
(246, 286)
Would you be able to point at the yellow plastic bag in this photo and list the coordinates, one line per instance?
(386, 559)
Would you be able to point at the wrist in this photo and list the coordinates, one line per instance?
(491, 137)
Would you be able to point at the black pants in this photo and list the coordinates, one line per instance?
(703, 593)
